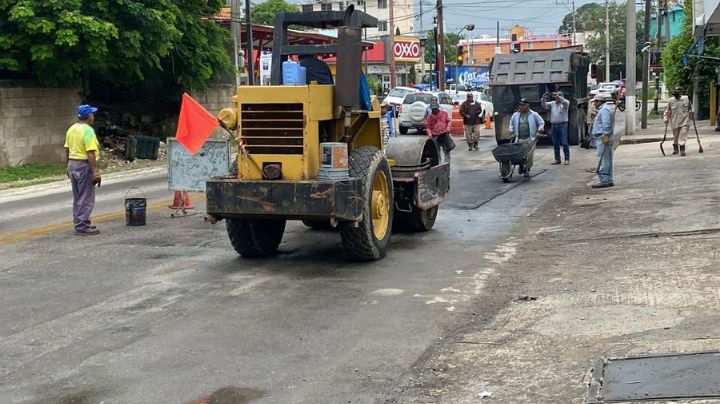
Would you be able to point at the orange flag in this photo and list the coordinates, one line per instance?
(195, 124)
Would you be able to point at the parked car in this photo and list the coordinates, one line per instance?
(415, 109)
(396, 96)
(610, 89)
(483, 98)
(453, 89)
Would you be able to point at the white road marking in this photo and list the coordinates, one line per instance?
(388, 292)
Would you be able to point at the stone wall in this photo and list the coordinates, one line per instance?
(33, 122)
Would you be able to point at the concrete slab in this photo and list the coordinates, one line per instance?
(661, 377)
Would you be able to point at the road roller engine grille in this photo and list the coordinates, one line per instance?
(272, 128)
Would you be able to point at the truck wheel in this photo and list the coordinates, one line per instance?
(368, 240)
(317, 224)
(403, 130)
(416, 220)
(255, 238)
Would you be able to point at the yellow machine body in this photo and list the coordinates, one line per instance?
(285, 124)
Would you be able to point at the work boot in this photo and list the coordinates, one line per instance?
(682, 150)
(675, 148)
(470, 146)
(476, 146)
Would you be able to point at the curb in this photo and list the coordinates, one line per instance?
(626, 140)
(62, 183)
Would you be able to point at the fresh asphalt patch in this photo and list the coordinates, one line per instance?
(470, 192)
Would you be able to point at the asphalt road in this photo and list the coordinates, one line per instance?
(169, 313)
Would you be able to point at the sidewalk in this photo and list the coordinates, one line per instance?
(627, 271)
(656, 130)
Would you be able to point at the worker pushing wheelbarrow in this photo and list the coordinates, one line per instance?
(524, 125)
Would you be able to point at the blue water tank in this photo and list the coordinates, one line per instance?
(293, 74)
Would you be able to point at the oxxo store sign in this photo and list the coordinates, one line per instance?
(406, 49)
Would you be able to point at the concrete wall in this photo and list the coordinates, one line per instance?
(214, 99)
(33, 122)
(217, 97)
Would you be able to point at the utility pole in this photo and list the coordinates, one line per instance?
(646, 66)
(574, 29)
(498, 49)
(250, 52)
(667, 21)
(607, 40)
(393, 75)
(658, 44)
(236, 32)
(440, 47)
(422, 48)
(574, 33)
(630, 62)
(365, 52)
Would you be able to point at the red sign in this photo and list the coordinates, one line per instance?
(407, 49)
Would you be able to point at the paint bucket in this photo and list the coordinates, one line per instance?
(135, 209)
(334, 164)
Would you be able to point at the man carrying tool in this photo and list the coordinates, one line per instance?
(525, 125)
(602, 131)
(678, 114)
(559, 121)
(81, 151)
(471, 112)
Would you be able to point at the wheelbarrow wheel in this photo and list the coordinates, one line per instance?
(506, 171)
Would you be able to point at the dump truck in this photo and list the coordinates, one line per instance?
(287, 135)
(530, 75)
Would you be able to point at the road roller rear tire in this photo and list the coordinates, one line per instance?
(416, 220)
(368, 240)
(255, 238)
(317, 224)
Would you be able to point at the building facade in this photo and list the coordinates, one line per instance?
(675, 17)
(402, 14)
(482, 50)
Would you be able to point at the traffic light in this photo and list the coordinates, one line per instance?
(460, 56)
(593, 71)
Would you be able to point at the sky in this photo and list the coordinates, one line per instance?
(539, 16)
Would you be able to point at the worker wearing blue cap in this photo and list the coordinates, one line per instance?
(81, 151)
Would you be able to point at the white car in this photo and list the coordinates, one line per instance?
(415, 109)
(609, 89)
(396, 96)
(484, 99)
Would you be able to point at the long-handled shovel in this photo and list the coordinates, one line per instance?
(664, 138)
(697, 135)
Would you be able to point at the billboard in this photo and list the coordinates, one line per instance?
(468, 75)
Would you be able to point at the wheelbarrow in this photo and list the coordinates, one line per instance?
(509, 155)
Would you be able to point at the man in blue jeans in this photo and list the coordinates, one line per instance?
(603, 132)
(559, 108)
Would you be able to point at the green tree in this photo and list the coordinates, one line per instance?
(450, 43)
(412, 75)
(594, 20)
(588, 17)
(679, 74)
(264, 13)
(62, 42)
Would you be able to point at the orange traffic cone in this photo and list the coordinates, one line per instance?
(181, 201)
(488, 124)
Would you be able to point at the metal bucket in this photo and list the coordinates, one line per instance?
(334, 164)
(135, 209)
